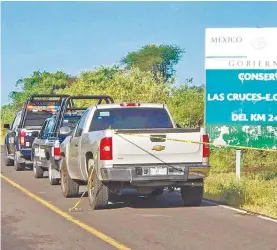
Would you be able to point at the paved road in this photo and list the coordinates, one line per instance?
(160, 223)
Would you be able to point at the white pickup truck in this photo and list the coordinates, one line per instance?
(131, 145)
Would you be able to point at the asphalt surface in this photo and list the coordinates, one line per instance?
(138, 223)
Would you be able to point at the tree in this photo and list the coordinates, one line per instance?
(157, 59)
(187, 105)
(40, 83)
(122, 85)
(7, 115)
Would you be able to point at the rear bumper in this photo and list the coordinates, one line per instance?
(134, 174)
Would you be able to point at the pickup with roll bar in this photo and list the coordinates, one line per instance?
(46, 147)
(26, 126)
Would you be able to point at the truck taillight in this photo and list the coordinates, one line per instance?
(106, 149)
(56, 150)
(206, 147)
(22, 137)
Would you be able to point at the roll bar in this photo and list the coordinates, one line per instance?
(32, 98)
(68, 103)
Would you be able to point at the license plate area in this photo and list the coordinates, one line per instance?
(155, 171)
(177, 171)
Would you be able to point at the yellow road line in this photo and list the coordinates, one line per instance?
(89, 229)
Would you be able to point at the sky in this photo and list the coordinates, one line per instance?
(77, 36)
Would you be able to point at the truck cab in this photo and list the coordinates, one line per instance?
(46, 147)
(26, 126)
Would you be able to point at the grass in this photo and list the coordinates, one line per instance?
(254, 192)
(224, 160)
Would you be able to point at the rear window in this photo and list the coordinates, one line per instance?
(39, 110)
(36, 119)
(70, 121)
(130, 118)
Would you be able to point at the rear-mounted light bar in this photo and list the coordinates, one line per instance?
(132, 104)
(50, 108)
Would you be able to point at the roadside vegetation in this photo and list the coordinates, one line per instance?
(148, 75)
(255, 192)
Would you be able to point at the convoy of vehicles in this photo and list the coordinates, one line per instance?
(46, 147)
(26, 126)
(109, 147)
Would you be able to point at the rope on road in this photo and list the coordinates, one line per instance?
(75, 207)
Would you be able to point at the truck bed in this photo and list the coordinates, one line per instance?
(141, 146)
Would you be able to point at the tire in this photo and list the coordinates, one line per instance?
(69, 187)
(157, 192)
(18, 166)
(7, 160)
(38, 171)
(52, 181)
(192, 196)
(98, 192)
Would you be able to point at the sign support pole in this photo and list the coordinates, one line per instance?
(238, 163)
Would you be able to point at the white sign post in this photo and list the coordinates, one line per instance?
(238, 161)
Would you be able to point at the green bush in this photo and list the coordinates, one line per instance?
(256, 194)
(187, 105)
(133, 85)
(263, 175)
(224, 160)
(255, 159)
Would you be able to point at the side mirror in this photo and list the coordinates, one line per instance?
(65, 130)
(178, 125)
(7, 126)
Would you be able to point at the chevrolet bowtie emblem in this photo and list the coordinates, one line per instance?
(158, 148)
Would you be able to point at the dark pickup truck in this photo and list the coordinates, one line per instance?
(26, 126)
(46, 147)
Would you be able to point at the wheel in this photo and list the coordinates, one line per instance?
(52, 181)
(98, 192)
(192, 196)
(157, 192)
(38, 171)
(8, 161)
(69, 187)
(18, 166)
